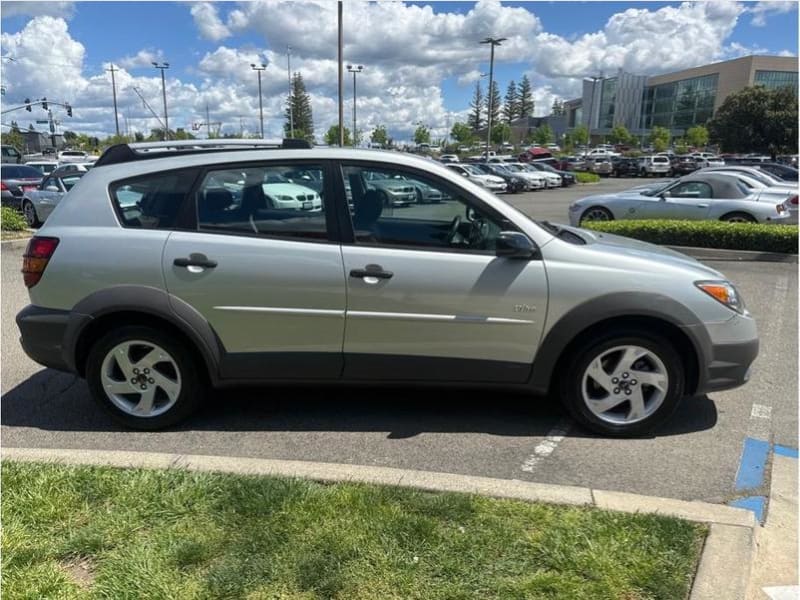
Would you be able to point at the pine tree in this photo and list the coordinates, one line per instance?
(525, 95)
(494, 94)
(511, 104)
(558, 107)
(475, 119)
(300, 103)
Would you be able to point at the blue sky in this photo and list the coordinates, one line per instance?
(421, 59)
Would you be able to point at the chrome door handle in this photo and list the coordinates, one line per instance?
(371, 272)
(702, 206)
(195, 260)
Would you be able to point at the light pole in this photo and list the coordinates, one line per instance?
(594, 79)
(340, 41)
(291, 91)
(258, 68)
(354, 69)
(163, 67)
(492, 43)
(112, 70)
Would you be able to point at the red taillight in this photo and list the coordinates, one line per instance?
(793, 200)
(36, 257)
(3, 186)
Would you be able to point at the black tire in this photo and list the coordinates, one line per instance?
(570, 385)
(29, 212)
(193, 384)
(738, 217)
(596, 209)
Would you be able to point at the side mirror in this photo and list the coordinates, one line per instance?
(513, 244)
(665, 195)
(51, 188)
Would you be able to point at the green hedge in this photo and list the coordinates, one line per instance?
(582, 177)
(705, 234)
(11, 220)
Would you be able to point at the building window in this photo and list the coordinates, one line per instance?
(679, 104)
(608, 99)
(776, 79)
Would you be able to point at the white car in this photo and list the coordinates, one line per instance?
(77, 156)
(72, 167)
(655, 165)
(449, 158)
(552, 180)
(601, 153)
(709, 161)
(493, 183)
(44, 166)
(535, 180)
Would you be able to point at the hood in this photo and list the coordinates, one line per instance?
(617, 244)
(491, 178)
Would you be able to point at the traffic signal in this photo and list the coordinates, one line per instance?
(28, 104)
(69, 109)
(44, 103)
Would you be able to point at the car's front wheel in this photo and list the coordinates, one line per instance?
(144, 377)
(738, 217)
(596, 213)
(623, 383)
(29, 212)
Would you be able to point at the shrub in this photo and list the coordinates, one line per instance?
(11, 220)
(705, 234)
(582, 177)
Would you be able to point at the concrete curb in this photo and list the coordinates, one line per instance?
(734, 255)
(730, 541)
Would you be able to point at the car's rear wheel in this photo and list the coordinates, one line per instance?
(738, 217)
(144, 377)
(596, 213)
(29, 212)
(624, 383)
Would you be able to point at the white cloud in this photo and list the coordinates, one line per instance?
(208, 22)
(766, 8)
(469, 77)
(29, 8)
(143, 58)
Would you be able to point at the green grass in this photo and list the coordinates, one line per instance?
(583, 177)
(11, 220)
(85, 532)
(705, 234)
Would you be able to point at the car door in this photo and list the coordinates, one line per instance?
(46, 199)
(684, 200)
(428, 298)
(264, 270)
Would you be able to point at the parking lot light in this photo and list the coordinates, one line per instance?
(355, 70)
(492, 43)
(258, 68)
(163, 67)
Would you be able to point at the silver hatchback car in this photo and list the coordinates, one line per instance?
(174, 267)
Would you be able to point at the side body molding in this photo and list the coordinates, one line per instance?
(610, 306)
(148, 300)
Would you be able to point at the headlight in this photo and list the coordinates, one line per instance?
(723, 292)
(285, 198)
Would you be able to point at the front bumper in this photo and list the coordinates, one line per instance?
(730, 365)
(42, 335)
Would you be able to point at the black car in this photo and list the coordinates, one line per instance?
(784, 172)
(624, 167)
(685, 165)
(514, 183)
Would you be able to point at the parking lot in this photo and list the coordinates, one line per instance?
(496, 434)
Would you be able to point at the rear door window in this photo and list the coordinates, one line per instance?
(152, 201)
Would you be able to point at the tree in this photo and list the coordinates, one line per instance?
(462, 133)
(580, 135)
(757, 119)
(697, 136)
(659, 138)
(620, 135)
(558, 108)
(525, 96)
(475, 119)
(501, 133)
(332, 136)
(422, 135)
(511, 103)
(300, 104)
(13, 137)
(494, 96)
(379, 136)
(182, 134)
(543, 135)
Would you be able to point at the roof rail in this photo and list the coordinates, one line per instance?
(122, 153)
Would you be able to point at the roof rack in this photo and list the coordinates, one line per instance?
(123, 153)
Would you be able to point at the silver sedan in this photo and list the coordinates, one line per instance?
(715, 196)
(39, 203)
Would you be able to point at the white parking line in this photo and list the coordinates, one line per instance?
(547, 446)
(760, 411)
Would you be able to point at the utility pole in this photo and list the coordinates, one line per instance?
(492, 42)
(112, 70)
(162, 68)
(355, 70)
(291, 90)
(341, 78)
(208, 123)
(258, 69)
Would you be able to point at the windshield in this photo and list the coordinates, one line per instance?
(657, 189)
(473, 170)
(515, 168)
(19, 172)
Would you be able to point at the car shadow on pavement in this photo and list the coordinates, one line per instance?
(54, 401)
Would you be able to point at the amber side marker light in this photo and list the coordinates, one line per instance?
(36, 257)
(722, 292)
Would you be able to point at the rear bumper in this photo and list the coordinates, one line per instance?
(42, 335)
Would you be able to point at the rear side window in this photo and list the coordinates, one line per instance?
(19, 172)
(152, 201)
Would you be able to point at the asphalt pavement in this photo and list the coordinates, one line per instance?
(694, 457)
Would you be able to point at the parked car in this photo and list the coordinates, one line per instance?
(449, 158)
(567, 178)
(599, 165)
(709, 161)
(72, 167)
(684, 165)
(37, 204)
(78, 156)
(534, 179)
(9, 154)
(601, 153)
(514, 183)
(573, 163)
(15, 180)
(490, 182)
(157, 302)
(783, 172)
(624, 167)
(45, 167)
(552, 180)
(757, 174)
(393, 191)
(699, 196)
(654, 165)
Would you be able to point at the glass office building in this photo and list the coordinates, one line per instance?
(679, 104)
(776, 79)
